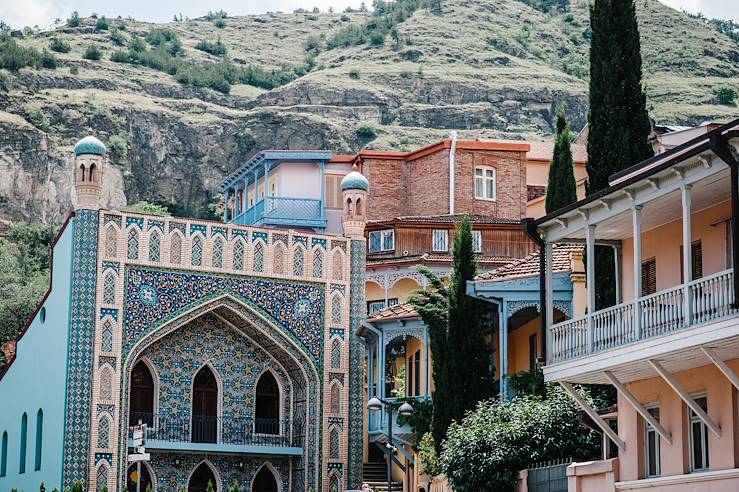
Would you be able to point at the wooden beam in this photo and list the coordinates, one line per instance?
(670, 380)
(638, 407)
(594, 415)
(725, 370)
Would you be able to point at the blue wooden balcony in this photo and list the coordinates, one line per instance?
(284, 211)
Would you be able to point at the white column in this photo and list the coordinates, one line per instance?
(687, 252)
(590, 273)
(503, 350)
(549, 296)
(617, 270)
(387, 280)
(636, 218)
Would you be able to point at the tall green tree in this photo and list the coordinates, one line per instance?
(618, 123)
(561, 186)
(456, 336)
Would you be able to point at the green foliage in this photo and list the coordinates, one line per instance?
(485, 451)
(4, 81)
(427, 455)
(120, 56)
(216, 47)
(47, 59)
(102, 24)
(77, 487)
(117, 37)
(354, 74)
(366, 131)
(726, 95)
(92, 53)
(149, 489)
(313, 44)
(37, 118)
(221, 14)
(547, 6)
(528, 382)
(209, 487)
(74, 70)
(118, 146)
(234, 487)
(74, 19)
(561, 185)
(59, 46)
(105, 488)
(219, 23)
(144, 207)
(724, 26)
(14, 56)
(420, 419)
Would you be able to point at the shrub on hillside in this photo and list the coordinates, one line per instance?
(59, 46)
(102, 24)
(47, 59)
(216, 48)
(74, 20)
(366, 131)
(219, 23)
(92, 53)
(37, 118)
(726, 95)
(117, 37)
(120, 56)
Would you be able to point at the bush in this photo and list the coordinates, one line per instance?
(59, 46)
(427, 455)
(366, 131)
(48, 60)
(14, 57)
(74, 70)
(219, 23)
(144, 207)
(377, 38)
(102, 24)
(221, 14)
(160, 36)
(216, 48)
(92, 53)
(74, 20)
(117, 37)
(345, 18)
(354, 74)
(313, 44)
(726, 95)
(4, 81)
(120, 56)
(37, 118)
(136, 45)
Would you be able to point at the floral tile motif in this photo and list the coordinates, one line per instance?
(357, 312)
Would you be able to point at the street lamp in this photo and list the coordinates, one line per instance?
(374, 405)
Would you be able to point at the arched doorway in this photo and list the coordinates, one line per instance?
(205, 406)
(265, 481)
(142, 395)
(267, 412)
(132, 476)
(200, 478)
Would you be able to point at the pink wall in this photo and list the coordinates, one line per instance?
(663, 243)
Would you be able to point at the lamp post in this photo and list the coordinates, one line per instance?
(375, 404)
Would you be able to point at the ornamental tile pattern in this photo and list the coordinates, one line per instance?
(152, 296)
(357, 312)
(78, 406)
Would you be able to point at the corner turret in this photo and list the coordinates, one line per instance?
(354, 188)
(89, 158)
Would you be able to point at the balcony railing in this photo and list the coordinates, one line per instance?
(280, 210)
(709, 298)
(220, 430)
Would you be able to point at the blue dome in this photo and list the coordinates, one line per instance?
(354, 181)
(89, 145)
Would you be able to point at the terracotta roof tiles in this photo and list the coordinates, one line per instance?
(529, 265)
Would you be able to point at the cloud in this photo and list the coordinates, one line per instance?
(33, 12)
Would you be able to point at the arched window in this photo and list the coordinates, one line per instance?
(200, 478)
(264, 481)
(298, 261)
(278, 266)
(109, 288)
(333, 444)
(142, 395)
(175, 249)
(258, 256)
(338, 265)
(196, 257)
(238, 255)
(82, 172)
(336, 354)
(4, 454)
(155, 246)
(111, 242)
(106, 383)
(145, 481)
(349, 207)
(92, 175)
(318, 262)
(218, 253)
(359, 206)
(267, 408)
(101, 477)
(335, 400)
(336, 310)
(133, 244)
(205, 406)
(24, 437)
(104, 432)
(39, 438)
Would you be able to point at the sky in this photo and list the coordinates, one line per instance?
(19, 13)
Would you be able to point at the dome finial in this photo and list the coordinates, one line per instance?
(89, 130)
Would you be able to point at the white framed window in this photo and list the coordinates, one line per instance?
(440, 240)
(652, 446)
(484, 183)
(382, 241)
(698, 437)
(477, 241)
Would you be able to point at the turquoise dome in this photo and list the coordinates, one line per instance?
(354, 181)
(89, 145)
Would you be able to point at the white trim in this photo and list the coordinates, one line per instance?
(689, 478)
(485, 178)
(721, 365)
(648, 428)
(216, 474)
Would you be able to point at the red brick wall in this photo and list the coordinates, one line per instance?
(388, 194)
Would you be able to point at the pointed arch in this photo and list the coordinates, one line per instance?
(298, 261)
(92, 173)
(239, 249)
(198, 479)
(259, 256)
(337, 309)
(349, 209)
(175, 248)
(334, 444)
(132, 244)
(155, 246)
(338, 265)
(318, 261)
(358, 206)
(207, 392)
(268, 403)
(333, 482)
(144, 393)
(109, 287)
(103, 441)
(266, 479)
(39, 439)
(336, 349)
(147, 477)
(106, 383)
(335, 399)
(4, 454)
(82, 172)
(278, 259)
(218, 247)
(196, 250)
(111, 241)
(24, 439)
(101, 476)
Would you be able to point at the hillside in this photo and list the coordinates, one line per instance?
(488, 68)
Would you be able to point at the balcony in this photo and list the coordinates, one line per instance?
(284, 211)
(708, 299)
(221, 434)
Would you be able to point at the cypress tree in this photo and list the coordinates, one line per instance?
(618, 124)
(561, 186)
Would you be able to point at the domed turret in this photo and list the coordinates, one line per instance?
(355, 188)
(89, 157)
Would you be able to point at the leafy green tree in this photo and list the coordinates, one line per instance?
(59, 46)
(92, 53)
(77, 487)
(561, 186)
(144, 207)
(485, 451)
(726, 95)
(234, 486)
(209, 487)
(74, 19)
(456, 335)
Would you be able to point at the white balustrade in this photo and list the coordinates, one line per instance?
(569, 339)
(712, 296)
(613, 326)
(662, 312)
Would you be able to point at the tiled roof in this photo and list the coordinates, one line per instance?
(398, 311)
(449, 219)
(529, 265)
(432, 258)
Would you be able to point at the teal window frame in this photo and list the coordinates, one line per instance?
(4, 455)
(24, 438)
(39, 438)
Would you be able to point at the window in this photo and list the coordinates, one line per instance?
(374, 306)
(533, 351)
(484, 183)
(652, 451)
(648, 277)
(155, 240)
(477, 241)
(205, 406)
(380, 241)
(417, 372)
(698, 438)
(440, 240)
(696, 258)
(4, 455)
(133, 244)
(333, 191)
(24, 436)
(267, 405)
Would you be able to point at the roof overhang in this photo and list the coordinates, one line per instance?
(276, 156)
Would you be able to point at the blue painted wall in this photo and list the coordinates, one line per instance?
(37, 379)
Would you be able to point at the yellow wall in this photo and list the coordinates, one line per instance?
(402, 289)
(518, 347)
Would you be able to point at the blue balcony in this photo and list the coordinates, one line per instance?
(284, 211)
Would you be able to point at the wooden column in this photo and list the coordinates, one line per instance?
(590, 273)
(636, 220)
(687, 252)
